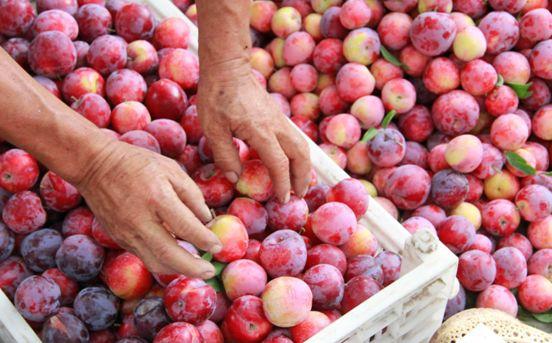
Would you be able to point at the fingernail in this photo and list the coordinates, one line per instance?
(286, 198)
(207, 215)
(216, 249)
(231, 176)
(207, 274)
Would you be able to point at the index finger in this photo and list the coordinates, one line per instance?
(297, 149)
(277, 163)
(168, 253)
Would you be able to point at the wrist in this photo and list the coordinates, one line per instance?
(224, 70)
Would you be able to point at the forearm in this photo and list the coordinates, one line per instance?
(36, 121)
(224, 39)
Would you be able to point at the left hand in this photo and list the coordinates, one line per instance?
(231, 102)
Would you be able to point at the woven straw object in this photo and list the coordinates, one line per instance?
(504, 325)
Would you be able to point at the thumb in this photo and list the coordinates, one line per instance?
(225, 154)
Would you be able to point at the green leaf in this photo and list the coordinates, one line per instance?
(544, 317)
(522, 90)
(390, 58)
(548, 173)
(215, 283)
(219, 267)
(519, 163)
(388, 118)
(371, 133)
(207, 256)
(524, 315)
(500, 81)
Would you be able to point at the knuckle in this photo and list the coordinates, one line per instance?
(162, 253)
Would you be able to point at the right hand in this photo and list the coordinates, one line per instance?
(145, 200)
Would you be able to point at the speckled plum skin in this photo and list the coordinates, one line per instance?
(142, 139)
(286, 301)
(357, 290)
(283, 253)
(387, 148)
(457, 233)
(252, 213)
(134, 21)
(315, 322)
(96, 307)
(18, 49)
(68, 287)
(352, 193)
(327, 286)
(326, 254)
(448, 188)
(492, 161)
(333, 223)
(116, 273)
(58, 194)
(16, 17)
(478, 77)
(246, 321)
(535, 294)
(64, 327)
(93, 107)
(94, 21)
(291, 215)
(255, 181)
(80, 257)
(243, 277)
(125, 85)
(107, 53)
(432, 33)
(353, 81)
(499, 298)
(534, 202)
(18, 170)
(38, 249)
(364, 265)
(36, 298)
(178, 332)
(23, 213)
(476, 270)
(408, 187)
(12, 272)
(441, 75)
(55, 20)
(52, 54)
(500, 217)
(180, 66)
(511, 267)
(455, 112)
(189, 300)
(233, 236)
(501, 30)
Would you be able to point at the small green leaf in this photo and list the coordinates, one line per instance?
(522, 90)
(215, 283)
(500, 81)
(388, 118)
(519, 163)
(371, 133)
(219, 267)
(389, 57)
(524, 315)
(544, 317)
(207, 256)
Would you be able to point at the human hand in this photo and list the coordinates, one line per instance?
(231, 102)
(143, 199)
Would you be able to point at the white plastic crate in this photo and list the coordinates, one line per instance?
(409, 310)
